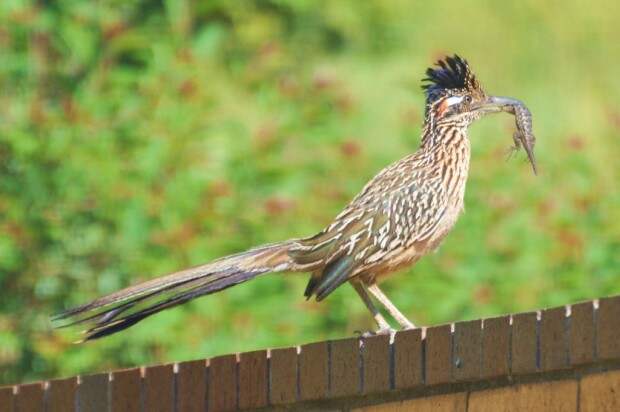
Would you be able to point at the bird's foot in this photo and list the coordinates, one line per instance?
(380, 331)
(409, 326)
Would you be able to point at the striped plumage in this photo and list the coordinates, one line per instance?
(402, 214)
(399, 216)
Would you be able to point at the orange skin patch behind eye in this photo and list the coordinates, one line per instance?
(443, 106)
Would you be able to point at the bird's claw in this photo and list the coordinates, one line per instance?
(380, 331)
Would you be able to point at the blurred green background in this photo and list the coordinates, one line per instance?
(142, 137)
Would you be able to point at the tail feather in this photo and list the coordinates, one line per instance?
(120, 310)
(109, 326)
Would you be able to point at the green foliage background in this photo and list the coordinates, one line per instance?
(142, 137)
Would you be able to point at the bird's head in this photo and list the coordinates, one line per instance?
(454, 95)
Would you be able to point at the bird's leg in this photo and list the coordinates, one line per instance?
(384, 326)
(390, 307)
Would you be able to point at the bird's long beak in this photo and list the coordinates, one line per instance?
(494, 104)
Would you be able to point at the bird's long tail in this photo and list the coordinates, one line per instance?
(120, 310)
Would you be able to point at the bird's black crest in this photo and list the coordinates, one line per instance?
(450, 73)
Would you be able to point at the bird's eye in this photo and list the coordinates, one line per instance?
(467, 99)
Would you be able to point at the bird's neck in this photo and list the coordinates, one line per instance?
(447, 149)
(445, 138)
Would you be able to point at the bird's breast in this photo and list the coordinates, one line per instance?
(454, 181)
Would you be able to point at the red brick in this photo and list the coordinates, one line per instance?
(608, 331)
(408, 359)
(7, 399)
(191, 386)
(376, 361)
(283, 376)
(467, 350)
(345, 367)
(125, 389)
(61, 395)
(582, 332)
(495, 347)
(313, 371)
(93, 393)
(524, 343)
(542, 396)
(253, 378)
(600, 392)
(30, 398)
(553, 339)
(438, 347)
(223, 383)
(159, 388)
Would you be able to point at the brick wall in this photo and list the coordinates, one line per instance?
(560, 359)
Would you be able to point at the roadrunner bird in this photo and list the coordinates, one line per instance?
(402, 214)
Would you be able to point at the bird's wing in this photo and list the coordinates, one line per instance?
(336, 254)
(391, 213)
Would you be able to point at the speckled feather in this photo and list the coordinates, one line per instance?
(401, 215)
